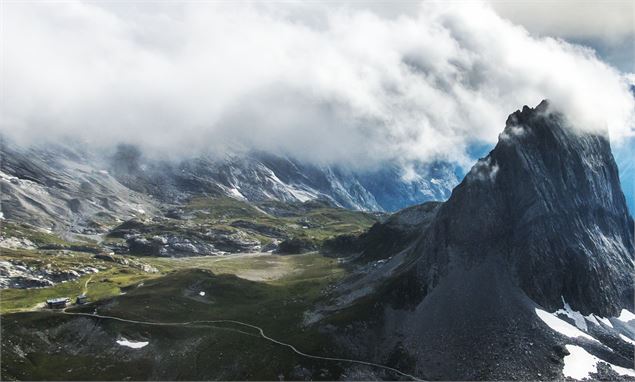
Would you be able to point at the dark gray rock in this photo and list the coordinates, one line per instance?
(296, 245)
(541, 218)
(385, 238)
(547, 200)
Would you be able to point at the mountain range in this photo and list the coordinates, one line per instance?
(64, 187)
(523, 271)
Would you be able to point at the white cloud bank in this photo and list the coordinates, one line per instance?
(326, 84)
(610, 20)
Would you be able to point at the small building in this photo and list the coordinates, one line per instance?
(81, 299)
(57, 303)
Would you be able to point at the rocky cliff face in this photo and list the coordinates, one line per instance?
(55, 187)
(68, 186)
(539, 222)
(547, 201)
(260, 176)
(386, 238)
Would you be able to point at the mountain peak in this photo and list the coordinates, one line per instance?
(546, 203)
(538, 225)
(526, 112)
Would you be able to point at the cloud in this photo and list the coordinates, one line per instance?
(610, 21)
(484, 170)
(337, 84)
(607, 26)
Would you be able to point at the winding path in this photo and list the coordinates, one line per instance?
(86, 285)
(260, 331)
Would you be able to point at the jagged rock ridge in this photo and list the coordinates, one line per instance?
(547, 201)
(539, 220)
(67, 187)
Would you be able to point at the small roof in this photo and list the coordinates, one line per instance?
(57, 300)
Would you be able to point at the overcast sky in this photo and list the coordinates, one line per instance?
(607, 26)
(354, 83)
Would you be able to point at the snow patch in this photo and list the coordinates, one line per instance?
(576, 316)
(626, 316)
(591, 318)
(605, 321)
(302, 195)
(132, 344)
(201, 293)
(626, 339)
(622, 370)
(597, 320)
(561, 326)
(5, 176)
(580, 363)
(235, 193)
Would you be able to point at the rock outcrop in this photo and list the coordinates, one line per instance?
(538, 222)
(547, 202)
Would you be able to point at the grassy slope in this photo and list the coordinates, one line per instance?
(45, 345)
(67, 343)
(38, 237)
(106, 283)
(321, 221)
(311, 222)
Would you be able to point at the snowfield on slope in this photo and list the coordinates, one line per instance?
(626, 339)
(579, 364)
(562, 326)
(576, 316)
(132, 344)
(626, 316)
